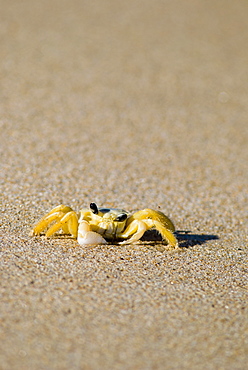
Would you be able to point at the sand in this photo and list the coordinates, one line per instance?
(129, 104)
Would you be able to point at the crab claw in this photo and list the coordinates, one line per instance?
(88, 237)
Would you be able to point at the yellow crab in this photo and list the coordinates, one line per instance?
(100, 225)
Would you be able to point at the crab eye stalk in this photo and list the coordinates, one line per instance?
(121, 217)
(94, 208)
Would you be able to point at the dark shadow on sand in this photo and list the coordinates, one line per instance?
(187, 240)
(184, 238)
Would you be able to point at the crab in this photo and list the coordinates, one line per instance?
(98, 225)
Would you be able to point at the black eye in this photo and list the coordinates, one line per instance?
(94, 208)
(121, 217)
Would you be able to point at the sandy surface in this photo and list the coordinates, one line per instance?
(128, 104)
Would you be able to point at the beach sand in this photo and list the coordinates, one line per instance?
(128, 104)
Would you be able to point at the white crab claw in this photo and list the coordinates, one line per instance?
(87, 237)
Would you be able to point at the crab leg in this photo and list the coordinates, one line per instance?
(61, 207)
(136, 228)
(45, 221)
(56, 213)
(166, 234)
(68, 222)
(146, 219)
(150, 214)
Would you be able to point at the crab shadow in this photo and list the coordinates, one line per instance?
(184, 238)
